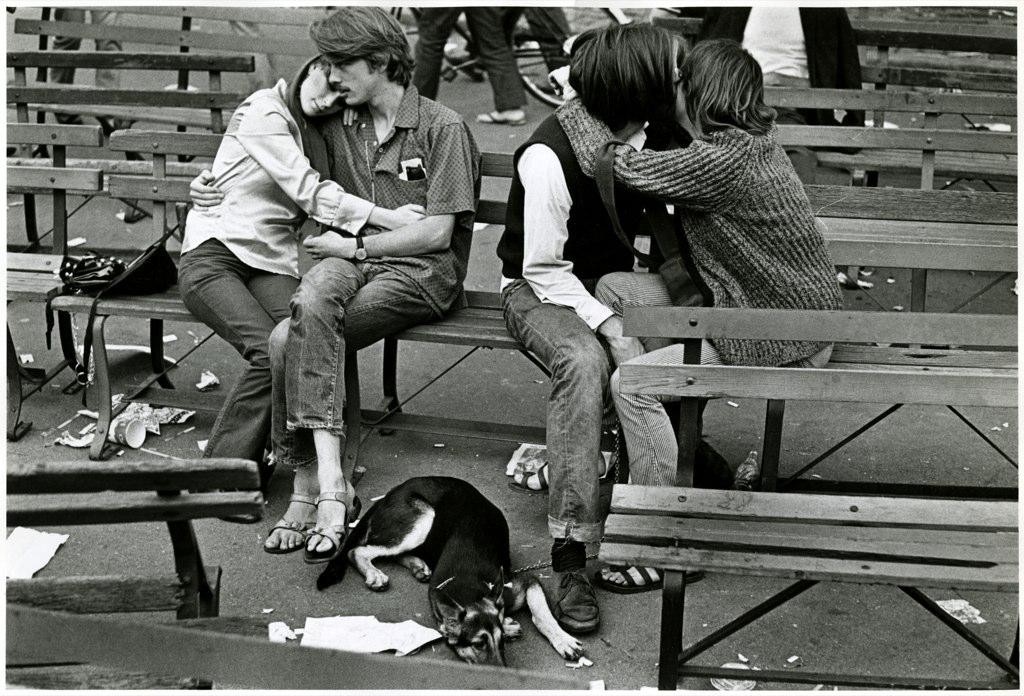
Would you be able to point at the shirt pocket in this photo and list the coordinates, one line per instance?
(410, 191)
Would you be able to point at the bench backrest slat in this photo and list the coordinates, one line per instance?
(899, 139)
(165, 142)
(898, 101)
(144, 475)
(149, 189)
(121, 60)
(38, 263)
(54, 178)
(124, 97)
(54, 134)
(862, 511)
(170, 37)
(864, 202)
(291, 16)
(807, 325)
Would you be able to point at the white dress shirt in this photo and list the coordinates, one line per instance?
(775, 37)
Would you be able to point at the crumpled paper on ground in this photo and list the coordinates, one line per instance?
(29, 550)
(961, 610)
(365, 634)
(154, 417)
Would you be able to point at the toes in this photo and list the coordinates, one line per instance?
(378, 582)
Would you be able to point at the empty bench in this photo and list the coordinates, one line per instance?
(879, 358)
(71, 494)
(905, 543)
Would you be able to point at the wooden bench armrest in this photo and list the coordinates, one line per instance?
(833, 326)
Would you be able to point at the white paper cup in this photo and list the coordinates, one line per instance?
(128, 431)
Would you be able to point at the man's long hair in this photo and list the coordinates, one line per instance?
(367, 33)
(723, 87)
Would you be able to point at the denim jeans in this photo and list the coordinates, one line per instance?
(580, 368)
(242, 305)
(340, 307)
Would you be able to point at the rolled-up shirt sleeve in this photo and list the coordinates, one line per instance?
(265, 135)
(546, 207)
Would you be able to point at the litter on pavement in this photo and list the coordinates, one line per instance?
(29, 550)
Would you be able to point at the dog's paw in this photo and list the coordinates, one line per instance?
(511, 629)
(567, 646)
(377, 581)
(418, 567)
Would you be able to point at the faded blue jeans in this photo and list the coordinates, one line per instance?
(580, 369)
(242, 305)
(340, 307)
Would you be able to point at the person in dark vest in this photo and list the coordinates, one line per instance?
(558, 241)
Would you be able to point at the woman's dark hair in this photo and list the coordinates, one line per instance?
(312, 142)
(724, 87)
(625, 73)
(365, 33)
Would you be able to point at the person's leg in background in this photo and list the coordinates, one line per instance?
(495, 52)
(550, 29)
(242, 305)
(434, 27)
(579, 369)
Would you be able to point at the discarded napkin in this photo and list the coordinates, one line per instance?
(29, 550)
(365, 634)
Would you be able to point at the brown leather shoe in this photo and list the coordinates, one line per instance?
(576, 607)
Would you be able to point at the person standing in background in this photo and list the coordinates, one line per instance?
(488, 32)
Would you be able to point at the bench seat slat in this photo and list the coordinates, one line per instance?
(812, 325)
(966, 165)
(42, 263)
(851, 383)
(120, 475)
(31, 286)
(78, 677)
(975, 549)
(849, 354)
(120, 506)
(864, 511)
(1001, 578)
(97, 594)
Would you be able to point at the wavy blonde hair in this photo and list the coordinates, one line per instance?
(724, 88)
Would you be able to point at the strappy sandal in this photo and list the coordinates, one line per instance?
(638, 579)
(334, 533)
(498, 118)
(291, 526)
(535, 481)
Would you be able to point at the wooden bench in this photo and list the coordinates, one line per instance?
(904, 543)
(31, 277)
(174, 491)
(879, 358)
(895, 55)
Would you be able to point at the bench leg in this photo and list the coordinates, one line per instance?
(689, 438)
(99, 450)
(15, 427)
(389, 378)
(156, 352)
(201, 599)
(774, 413)
(350, 466)
(673, 597)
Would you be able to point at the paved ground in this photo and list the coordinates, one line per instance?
(846, 628)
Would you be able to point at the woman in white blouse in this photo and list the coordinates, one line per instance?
(239, 263)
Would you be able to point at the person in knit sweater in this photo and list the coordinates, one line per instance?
(747, 225)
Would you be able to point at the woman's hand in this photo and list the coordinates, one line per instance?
(329, 244)
(202, 194)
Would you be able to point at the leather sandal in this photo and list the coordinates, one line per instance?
(536, 481)
(334, 533)
(291, 526)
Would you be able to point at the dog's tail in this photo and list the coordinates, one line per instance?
(336, 567)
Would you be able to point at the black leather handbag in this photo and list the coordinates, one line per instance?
(152, 271)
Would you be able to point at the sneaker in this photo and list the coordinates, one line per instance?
(576, 607)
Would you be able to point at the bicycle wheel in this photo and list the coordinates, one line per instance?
(532, 41)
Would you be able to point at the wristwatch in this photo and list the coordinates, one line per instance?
(360, 249)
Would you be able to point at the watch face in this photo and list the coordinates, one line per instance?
(360, 254)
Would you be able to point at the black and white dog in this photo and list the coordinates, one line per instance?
(446, 532)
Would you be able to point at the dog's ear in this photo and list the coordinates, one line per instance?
(450, 613)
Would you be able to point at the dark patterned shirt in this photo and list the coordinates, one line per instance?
(428, 158)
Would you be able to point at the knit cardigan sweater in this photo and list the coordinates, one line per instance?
(753, 236)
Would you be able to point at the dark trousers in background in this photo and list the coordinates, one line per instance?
(242, 305)
(495, 53)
